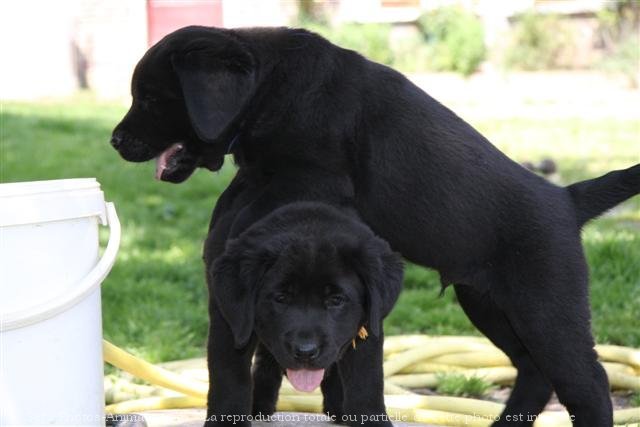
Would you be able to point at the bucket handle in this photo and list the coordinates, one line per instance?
(38, 313)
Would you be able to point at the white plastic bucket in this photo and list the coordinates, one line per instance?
(51, 369)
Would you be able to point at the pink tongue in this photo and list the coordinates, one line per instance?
(163, 158)
(304, 379)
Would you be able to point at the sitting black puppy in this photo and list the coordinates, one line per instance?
(302, 284)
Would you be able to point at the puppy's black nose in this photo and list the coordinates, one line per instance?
(116, 140)
(306, 352)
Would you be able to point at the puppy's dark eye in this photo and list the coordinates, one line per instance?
(281, 298)
(335, 300)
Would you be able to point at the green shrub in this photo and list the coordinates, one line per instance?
(370, 40)
(618, 21)
(618, 31)
(412, 54)
(450, 39)
(536, 43)
(455, 39)
(625, 60)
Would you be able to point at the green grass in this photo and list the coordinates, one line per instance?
(452, 384)
(155, 300)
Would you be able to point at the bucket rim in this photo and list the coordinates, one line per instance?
(39, 202)
(29, 188)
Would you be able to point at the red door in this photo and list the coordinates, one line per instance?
(165, 16)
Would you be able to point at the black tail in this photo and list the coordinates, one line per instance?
(595, 196)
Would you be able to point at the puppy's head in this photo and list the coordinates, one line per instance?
(189, 91)
(306, 297)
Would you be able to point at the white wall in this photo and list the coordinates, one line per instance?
(37, 39)
(35, 48)
(257, 13)
(113, 35)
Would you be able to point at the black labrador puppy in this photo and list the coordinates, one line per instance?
(306, 283)
(264, 249)
(286, 102)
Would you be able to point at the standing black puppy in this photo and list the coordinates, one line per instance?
(285, 101)
(301, 283)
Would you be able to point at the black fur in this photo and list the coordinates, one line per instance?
(315, 121)
(593, 197)
(305, 275)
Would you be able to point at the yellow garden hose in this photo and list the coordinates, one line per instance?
(410, 362)
(151, 373)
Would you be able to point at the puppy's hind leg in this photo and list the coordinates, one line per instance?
(532, 390)
(547, 305)
(267, 378)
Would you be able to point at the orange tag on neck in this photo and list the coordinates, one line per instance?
(362, 334)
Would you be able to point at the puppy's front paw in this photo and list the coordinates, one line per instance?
(227, 424)
(375, 420)
(263, 408)
(229, 420)
(334, 411)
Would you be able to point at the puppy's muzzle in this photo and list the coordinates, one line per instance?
(117, 140)
(131, 148)
(306, 352)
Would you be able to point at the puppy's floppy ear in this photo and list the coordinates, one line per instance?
(381, 270)
(217, 79)
(236, 277)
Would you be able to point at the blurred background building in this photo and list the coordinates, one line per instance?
(54, 48)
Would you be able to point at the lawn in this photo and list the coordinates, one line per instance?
(154, 300)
